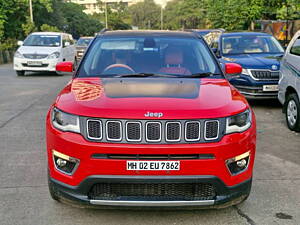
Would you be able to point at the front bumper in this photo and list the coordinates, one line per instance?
(226, 195)
(256, 92)
(21, 64)
(90, 170)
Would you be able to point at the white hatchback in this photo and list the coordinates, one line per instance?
(289, 83)
(41, 51)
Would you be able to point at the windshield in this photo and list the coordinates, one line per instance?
(43, 40)
(147, 55)
(250, 44)
(84, 41)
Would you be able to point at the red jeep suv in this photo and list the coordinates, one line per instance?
(149, 119)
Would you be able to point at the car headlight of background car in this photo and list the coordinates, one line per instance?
(65, 121)
(54, 55)
(18, 55)
(239, 122)
(245, 72)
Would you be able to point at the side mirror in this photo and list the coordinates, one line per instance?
(64, 67)
(66, 44)
(233, 70)
(20, 43)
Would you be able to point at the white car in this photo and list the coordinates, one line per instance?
(41, 51)
(289, 83)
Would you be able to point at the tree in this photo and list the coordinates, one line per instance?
(48, 28)
(145, 15)
(117, 15)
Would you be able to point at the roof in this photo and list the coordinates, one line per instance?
(160, 33)
(245, 33)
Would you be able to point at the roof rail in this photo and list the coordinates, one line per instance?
(103, 31)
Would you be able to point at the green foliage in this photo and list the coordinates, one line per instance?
(28, 27)
(8, 44)
(48, 28)
(117, 15)
(145, 15)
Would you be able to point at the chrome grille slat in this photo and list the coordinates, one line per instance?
(173, 131)
(94, 129)
(265, 74)
(133, 131)
(113, 130)
(211, 129)
(153, 131)
(35, 56)
(192, 131)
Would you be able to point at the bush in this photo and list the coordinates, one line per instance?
(9, 44)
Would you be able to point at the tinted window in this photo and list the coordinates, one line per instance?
(242, 44)
(159, 55)
(43, 40)
(295, 49)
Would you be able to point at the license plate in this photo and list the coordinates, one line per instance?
(34, 63)
(153, 165)
(270, 87)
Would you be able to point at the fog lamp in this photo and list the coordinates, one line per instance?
(238, 164)
(64, 163)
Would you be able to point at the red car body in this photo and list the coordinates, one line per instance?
(105, 98)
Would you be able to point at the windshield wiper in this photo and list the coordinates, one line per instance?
(146, 75)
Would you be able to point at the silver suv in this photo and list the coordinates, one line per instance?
(289, 83)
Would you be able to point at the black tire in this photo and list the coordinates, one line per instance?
(20, 73)
(53, 192)
(292, 112)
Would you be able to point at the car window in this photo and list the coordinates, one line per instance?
(295, 49)
(84, 41)
(43, 40)
(247, 44)
(162, 55)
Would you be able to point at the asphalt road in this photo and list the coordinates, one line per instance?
(24, 198)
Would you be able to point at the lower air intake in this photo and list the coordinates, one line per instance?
(152, 191)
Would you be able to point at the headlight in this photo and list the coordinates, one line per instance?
(64, 121)
(239, 122)
(18, 55)
(245, 72)
(54, 55)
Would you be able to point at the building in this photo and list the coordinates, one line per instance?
(92, 6)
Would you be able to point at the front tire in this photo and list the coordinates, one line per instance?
(292, 115)
(20, 73)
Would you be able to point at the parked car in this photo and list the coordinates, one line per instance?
(149, 119)
(259, 54)
(42, 50)
(81, 46)
(289, 83)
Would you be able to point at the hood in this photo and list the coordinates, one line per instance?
(132, 98)
(37, 50)
(256, 61)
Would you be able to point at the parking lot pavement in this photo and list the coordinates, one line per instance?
(24, 198)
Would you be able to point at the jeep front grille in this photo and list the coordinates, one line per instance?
(153, 191)
(154, 131)
(265, 74)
